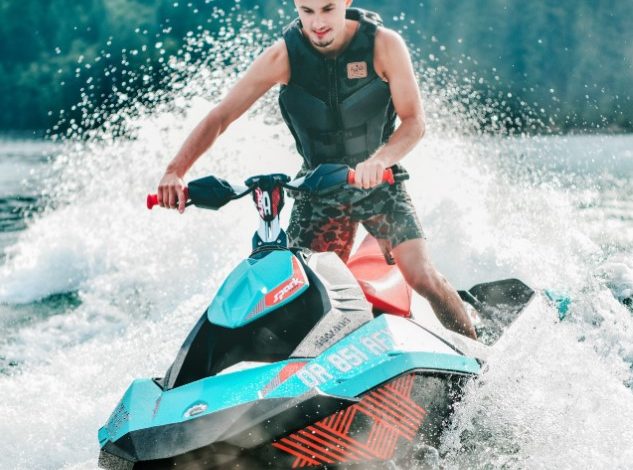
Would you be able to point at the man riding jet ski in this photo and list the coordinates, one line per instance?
(301, 361)
(291, 366)
(344, 79)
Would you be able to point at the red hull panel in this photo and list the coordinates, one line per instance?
(382, 283)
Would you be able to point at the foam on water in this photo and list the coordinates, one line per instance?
(554, 393)
(551, 397)
(143, 279)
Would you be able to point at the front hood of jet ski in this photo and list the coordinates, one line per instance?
(385, 423)
(244, 426)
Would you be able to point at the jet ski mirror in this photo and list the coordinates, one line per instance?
(211, 192)
(324, 179)
(330, 177)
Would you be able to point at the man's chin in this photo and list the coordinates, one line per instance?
(323, 44)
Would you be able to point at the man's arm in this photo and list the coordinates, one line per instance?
(270, 68)
(393, 64)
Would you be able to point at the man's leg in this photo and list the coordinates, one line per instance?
(321, 227)
(413, 260)
(390, 216)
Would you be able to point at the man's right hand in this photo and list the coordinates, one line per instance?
(171, 192)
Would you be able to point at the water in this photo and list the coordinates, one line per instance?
(23, 166)
(96, 290)
(99, 291)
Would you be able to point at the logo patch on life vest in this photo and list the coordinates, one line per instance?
(357, 70)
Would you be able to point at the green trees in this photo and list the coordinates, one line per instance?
(42, 45)
(572, 59)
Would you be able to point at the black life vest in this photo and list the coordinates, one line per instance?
(338, 110)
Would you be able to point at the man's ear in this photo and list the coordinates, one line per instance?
(348, 3)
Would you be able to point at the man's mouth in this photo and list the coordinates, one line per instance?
(321, 34)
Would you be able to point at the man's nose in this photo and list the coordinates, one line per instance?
(319, 22)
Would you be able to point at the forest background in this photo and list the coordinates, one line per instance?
(569, 61)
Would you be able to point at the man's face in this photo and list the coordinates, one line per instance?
(323, 20)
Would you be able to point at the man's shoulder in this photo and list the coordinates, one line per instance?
(389, 52)
(273, 62)
(388, 44)
(388, 38)
(276, 54)
(277, 51)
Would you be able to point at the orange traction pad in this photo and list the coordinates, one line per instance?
(386, 415)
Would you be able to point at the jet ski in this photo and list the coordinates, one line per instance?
(301, 360)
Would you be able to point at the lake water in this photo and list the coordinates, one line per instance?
(96, 290)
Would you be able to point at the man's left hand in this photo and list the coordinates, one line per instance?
(369, 173)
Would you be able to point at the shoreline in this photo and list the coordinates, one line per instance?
(44, 134)
(25, 135)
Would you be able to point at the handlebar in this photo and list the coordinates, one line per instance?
(212, 193)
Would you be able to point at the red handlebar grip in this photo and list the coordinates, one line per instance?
(152, 200)
(387, 177)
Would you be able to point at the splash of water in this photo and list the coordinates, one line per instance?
(489, 205)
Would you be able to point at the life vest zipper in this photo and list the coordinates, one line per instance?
(335, 105)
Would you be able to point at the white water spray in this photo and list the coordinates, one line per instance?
(554, 394)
